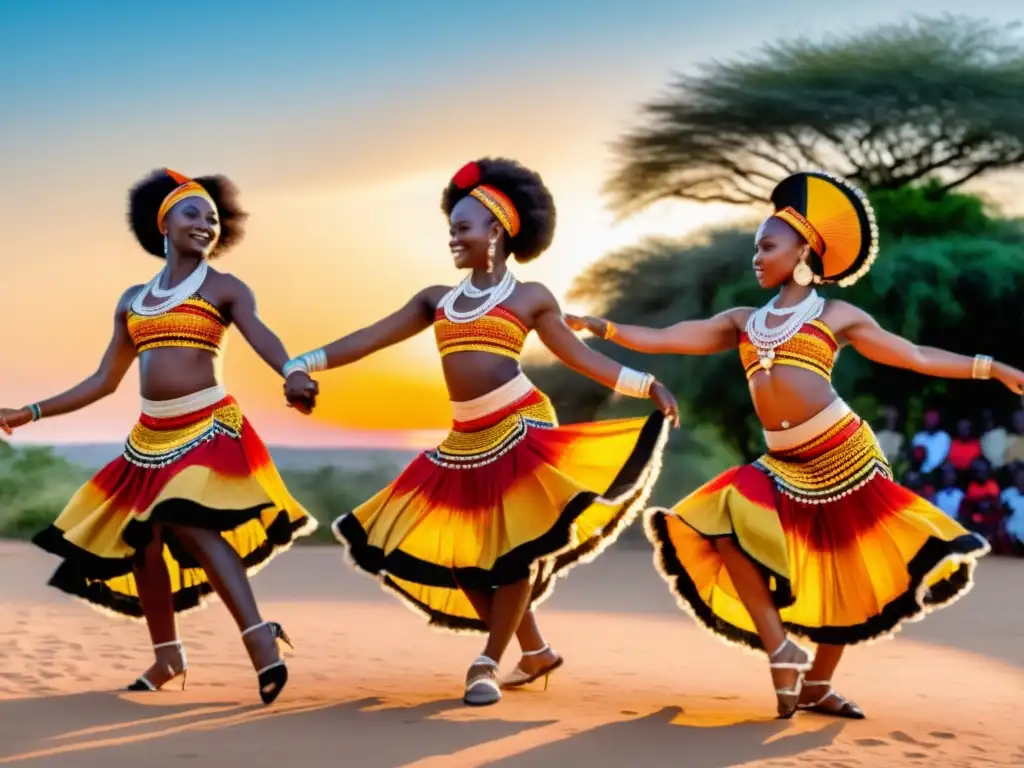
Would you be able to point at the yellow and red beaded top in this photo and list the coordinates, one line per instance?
(194, 323)
(813, 348)
(499, 332)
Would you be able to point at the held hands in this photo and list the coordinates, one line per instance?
(666, 402)
(1011, 378)
(593, 325)
(300, 391)
(12, 418)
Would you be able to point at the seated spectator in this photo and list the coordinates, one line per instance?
(981, 510)
(1015, 442)
(934, 440)
(993, 440)
(981, 485)
(1013, 499)
(965, 447)
(950, 496)
(889, 436)
(916, 481)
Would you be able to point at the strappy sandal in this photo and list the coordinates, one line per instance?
(520, 677)
(273, 677)
(482, 688)
(847, 708)
(801, 667)
(142, 683)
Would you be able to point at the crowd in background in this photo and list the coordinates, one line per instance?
(975, 474)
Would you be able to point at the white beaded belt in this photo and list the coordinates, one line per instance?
(181, 406)
(495, 400)
(786, 439)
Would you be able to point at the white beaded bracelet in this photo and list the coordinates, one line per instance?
(634, 383)
(294, 365)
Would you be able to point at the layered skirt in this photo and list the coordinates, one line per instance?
(195, 462)
(508, 495)
(847, 553)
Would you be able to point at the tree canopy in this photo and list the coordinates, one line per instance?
(950, 275)
(927, 100)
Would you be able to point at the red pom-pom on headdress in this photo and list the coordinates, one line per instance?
(467, 176)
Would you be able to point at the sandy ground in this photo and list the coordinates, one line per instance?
(373, 687)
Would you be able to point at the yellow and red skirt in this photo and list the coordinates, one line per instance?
(848, 554)
(194, 461)
(508, 495)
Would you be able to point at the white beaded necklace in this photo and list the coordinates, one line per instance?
(173, 296)
(766, 339)
(495, 295)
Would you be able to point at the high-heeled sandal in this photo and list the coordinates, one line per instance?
(273, 677)
(801, 667)
(482, 688)
(142, 683)
(519, 677)
(847, 708)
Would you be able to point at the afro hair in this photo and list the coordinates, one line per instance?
(145, 198)
(526, 190)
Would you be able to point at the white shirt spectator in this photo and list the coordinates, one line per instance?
(1014, 500)
(948, 500)
(936, 445)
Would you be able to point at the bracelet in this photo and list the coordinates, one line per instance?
(36, 411)
(293, 366)
(634, 383)
(982, 368)
(307, 363)
(609, 329)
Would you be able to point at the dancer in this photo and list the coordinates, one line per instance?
(194, 503)
(474, 532)
(813, 538)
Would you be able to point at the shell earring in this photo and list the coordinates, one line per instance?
(165, 246)
(802, 274)
(490, 254)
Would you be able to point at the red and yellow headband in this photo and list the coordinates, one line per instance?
(495, 200)
(186, 188)
(804, 227)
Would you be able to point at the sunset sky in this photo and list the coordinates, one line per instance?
(341, 126)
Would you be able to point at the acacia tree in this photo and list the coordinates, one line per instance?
(931, 99)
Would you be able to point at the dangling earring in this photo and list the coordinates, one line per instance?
(165, 246)
(802, 274)
(490, 254)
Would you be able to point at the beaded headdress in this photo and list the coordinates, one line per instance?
(835, 218)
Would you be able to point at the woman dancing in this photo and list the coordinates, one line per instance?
(194, 503)
(473, 532)
(813, 538)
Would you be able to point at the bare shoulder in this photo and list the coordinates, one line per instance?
(124, 301)
(842, 314)
(227, 282)
(432, 295)
(538, 294)
(738, 316)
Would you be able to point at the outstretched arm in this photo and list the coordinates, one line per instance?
(689, 337)
(417, 315)
(559, 338)
(111, 371)
(881, 346)
(246, 317)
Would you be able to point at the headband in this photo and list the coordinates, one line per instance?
(836, 220)
(186, 188)
(496, 201)
(500, 206)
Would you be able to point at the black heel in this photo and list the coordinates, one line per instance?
(142, 683)
(273, 677)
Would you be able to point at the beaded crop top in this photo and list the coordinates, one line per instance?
(498, 332)
(813, 348)
(194, 323)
